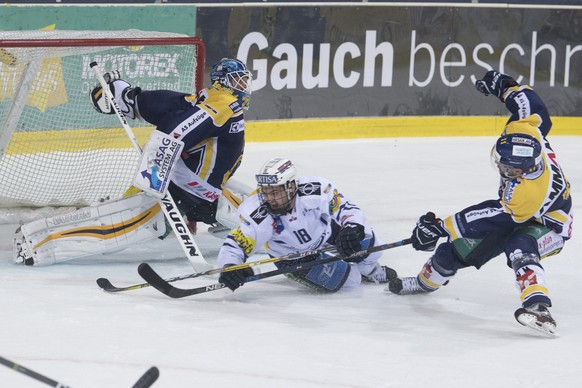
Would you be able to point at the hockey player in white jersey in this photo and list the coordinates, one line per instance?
(210, 124)
(531, 219)
(290, 213)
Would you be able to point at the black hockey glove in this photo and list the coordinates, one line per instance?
(349, 240)
(235, 279)
(427, 232)
(495, 83)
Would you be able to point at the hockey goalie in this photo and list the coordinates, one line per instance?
(199, 143)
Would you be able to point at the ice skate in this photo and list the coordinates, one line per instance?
(405, 286)
(381, 274)
(538, 317)
(20, 253)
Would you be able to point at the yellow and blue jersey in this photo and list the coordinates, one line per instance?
(211, 125)
(542, 196)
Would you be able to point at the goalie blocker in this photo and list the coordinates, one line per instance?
(109, 227)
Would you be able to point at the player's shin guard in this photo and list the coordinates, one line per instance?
(529, 278)
(433, 276)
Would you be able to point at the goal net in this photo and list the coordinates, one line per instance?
(55, 149)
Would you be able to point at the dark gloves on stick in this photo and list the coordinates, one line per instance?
(235, 279)
(349, 240)
(427, 232)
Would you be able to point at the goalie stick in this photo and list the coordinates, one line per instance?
(153, 278)
(167, 203)
(106, 285)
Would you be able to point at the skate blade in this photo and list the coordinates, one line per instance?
(531, 321)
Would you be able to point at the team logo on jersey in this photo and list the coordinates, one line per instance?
(260, 214)
(237, 127)
(309, 188)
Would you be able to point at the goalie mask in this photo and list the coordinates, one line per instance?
(234, 76)
(517, 154)
(277, 186)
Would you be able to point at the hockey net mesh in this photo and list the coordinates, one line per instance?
(56, 150)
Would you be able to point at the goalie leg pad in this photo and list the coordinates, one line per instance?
(233, 194)
(93, 230)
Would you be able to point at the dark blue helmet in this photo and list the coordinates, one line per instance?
(517, 151)
(233, 75)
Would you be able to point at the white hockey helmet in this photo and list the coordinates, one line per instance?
(277, 185)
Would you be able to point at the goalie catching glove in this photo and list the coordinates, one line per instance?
(123, 93)
(427, 232)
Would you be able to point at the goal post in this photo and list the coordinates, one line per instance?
(55, 149)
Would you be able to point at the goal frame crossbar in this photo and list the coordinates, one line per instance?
(112, 42)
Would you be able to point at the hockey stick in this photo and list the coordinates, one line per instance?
(31, 373)
(148, 378)
(167, 203)
(153, 278)
(106, 285)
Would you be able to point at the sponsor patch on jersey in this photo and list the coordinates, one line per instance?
(237, 127)
(246, 243)
(260, 214)
(335, 202)
(309, 188)
(278, 226)
(244, 221)
(191, 122)
(475, 215)
(509, 189)
(235, 107)
(523, 104)
(210, 108)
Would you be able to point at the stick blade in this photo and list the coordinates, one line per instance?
(148, 378)
(105, 284)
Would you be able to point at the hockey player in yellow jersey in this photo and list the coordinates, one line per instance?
(531, 219)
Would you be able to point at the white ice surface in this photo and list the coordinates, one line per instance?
(275, 333)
